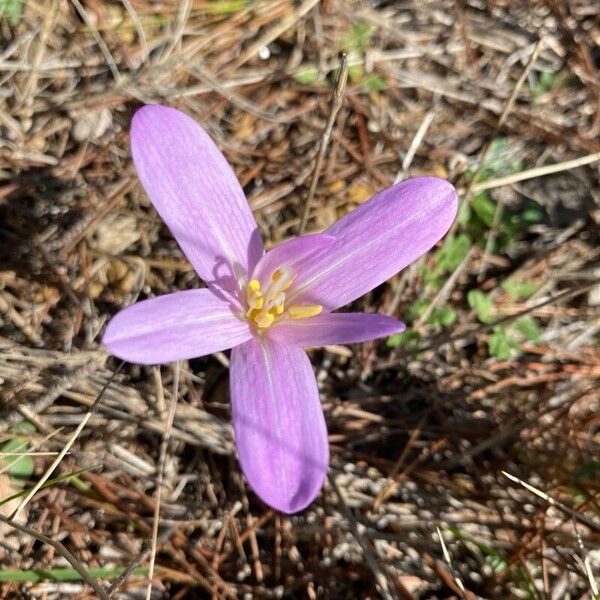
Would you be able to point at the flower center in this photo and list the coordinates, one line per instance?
(266, 306)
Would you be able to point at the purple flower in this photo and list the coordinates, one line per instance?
(266, 306)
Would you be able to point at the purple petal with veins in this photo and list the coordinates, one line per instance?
(197, 195)
(336, 328)
(376, 240)
(174, 327)
(278, 422)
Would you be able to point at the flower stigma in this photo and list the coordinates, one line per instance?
(267, 306)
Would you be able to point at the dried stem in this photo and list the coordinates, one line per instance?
(566, 165)
(161, 475)
(336, 103)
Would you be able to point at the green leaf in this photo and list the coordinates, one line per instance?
(528, 328)
(482, 304)
(24, 427)
(530, 214)
(501, 345)
(497, 150)
(453, 252)
(12, 10)
(357, 38)
(464, 213)
(484, 208)
(375, 83)
(65, 574)
(225, 7)
(409, 339)
(416, 310)
(500, 160)
(356, 73)
(430, 277)
(48, 483)
(546, 81)
(519, 290)
(306, 75)
(443, 316)
(21, 468)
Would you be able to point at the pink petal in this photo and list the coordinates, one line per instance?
(174, 327)
(196, 193)
(336, 328)
(377, 240)
(292, 253)
(278, 422)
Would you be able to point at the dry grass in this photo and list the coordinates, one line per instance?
(421, 433)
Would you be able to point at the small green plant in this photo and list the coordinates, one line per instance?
(12, 10)
(306, 75)
(498, 162)
(477, 216)
(501, 345)
(546, 82)
(226, 7)
(416, 310)
(527, 326)
(519, 289)
(408, 339)
(505, 340)
(357, 38)
(374, 83)
(355, 41)
(452, 253)
(482, 304)
(21, 468)
(443, 316)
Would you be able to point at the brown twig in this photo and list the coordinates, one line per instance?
(336, 103)
(161, 474)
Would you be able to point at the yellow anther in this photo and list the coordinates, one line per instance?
(266, 306)
(282, 279)
(303, 311)
(251, 314)
(254, 295)
(264, 319)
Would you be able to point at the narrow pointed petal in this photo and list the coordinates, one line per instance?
(196, 193)
(376, 241)
(336, 328)
(174, 327)
(278, 422)
(292, 253)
